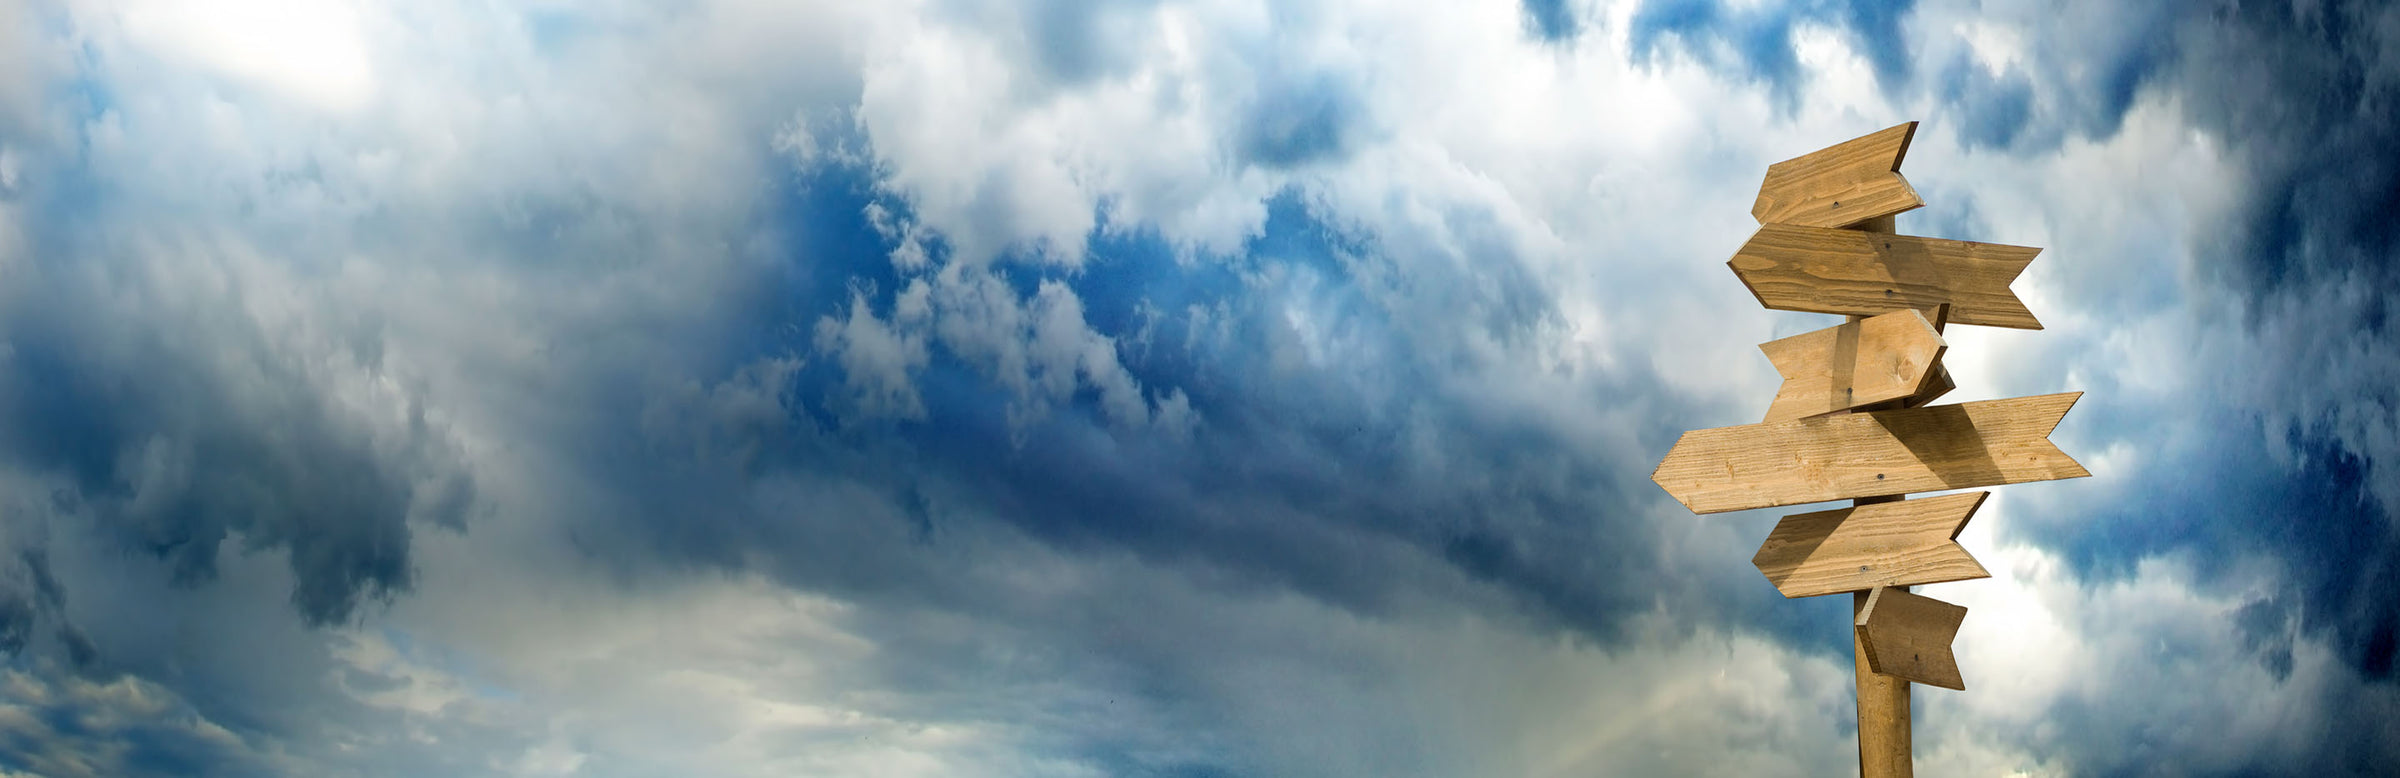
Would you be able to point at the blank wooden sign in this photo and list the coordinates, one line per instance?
(1873, 454)
(1889, 357)
(1907, 636)
(1842, 184)
(1902, 543)
(1813, 269)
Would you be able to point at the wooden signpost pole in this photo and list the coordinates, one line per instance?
(1852, 420)
(1885, 742)
(1884, 745)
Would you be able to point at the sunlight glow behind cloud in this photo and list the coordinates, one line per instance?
(315, 51)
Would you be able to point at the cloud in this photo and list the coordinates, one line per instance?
(927, 388)
(1757, 39)
(878, 362)
(59, 724)
(181, 408)
(2177, 637)
(309, 50)
(1993, 108)
(2275, 338)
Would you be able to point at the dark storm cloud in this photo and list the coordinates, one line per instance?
(1349, 458)
(177, 433)
(33, 618)
(2309, 90)
(1270, 487)
(65, 725)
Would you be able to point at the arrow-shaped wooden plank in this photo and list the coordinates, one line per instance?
(1907, 636)
(1794, 268)
(1871, 454)
(1842, 184)
(1936, 386)
(1888, 357)
(1902, 543)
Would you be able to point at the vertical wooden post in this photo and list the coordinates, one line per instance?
(1884, 740)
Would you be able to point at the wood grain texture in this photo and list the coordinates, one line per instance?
(1884, 741)
(1795, 268)
(1935, 387)
(1840, 185)
(1940, 384)
(1854, 365)
(1907, 636)
(1899, 543)
(1934, 448)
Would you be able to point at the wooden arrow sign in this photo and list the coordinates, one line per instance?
(1871, 454)
(1889, 357)
(1842, 184)
(1907, 636)
(1901, 543)
(1795, 268)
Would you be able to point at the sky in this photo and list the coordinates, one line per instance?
(1150, 387)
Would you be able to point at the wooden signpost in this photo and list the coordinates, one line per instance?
(1851, 420)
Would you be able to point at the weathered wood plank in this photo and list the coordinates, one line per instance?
(1841, 456)
(1900, 543)
(1907, 636)
(1888, 357)
(1794, 268)
(1842, 184)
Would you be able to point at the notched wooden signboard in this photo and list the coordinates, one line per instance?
(1898, 543)
(1841, 185)
(1908, 636)
(1873, 454)
(1894, 356)
(1818, 270)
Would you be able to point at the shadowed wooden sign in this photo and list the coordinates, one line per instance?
(1890, 357)
(1875, 454)
(1840, 185)
(1908, 636)
(1900, 543)
(1818, 270)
